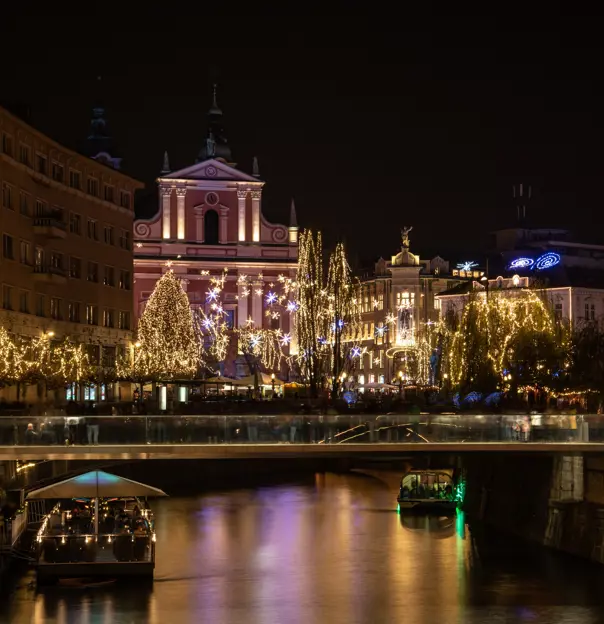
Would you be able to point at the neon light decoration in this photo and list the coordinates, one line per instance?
(467, 266)
(521, 263)
(547, 261)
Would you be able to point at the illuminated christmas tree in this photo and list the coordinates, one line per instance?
(312, 318)
(166, 345)
(342, 312)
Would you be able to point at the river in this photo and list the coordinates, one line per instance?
(331, 549)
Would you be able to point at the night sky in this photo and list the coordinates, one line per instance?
(370, 122)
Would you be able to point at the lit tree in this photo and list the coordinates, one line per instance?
(211, 325)
(502, 335)
(167, 346)
(341, 310)
(10, 359)
(312, 321)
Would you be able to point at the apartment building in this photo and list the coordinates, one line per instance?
(66, 264)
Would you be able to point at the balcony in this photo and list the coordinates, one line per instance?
(50, 226)
(50, 274)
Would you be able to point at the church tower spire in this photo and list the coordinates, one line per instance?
(99, 144)
(166, 165)
(215, 144)
(293, 224)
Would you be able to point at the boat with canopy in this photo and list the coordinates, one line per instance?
(100, 525)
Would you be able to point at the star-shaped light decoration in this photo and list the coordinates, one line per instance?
(271, 297)
(355, 352)
(285, 339)
(212, 294)
(292, 306)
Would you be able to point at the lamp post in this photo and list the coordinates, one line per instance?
(273, 384)
(400, 384)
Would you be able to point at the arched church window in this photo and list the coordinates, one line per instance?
(210, 227)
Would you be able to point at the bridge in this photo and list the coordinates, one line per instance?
(290, 436)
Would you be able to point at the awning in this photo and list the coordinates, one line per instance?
(219, 380)
(264, 379)
(94, 484)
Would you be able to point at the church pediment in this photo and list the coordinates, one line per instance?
(211, 169)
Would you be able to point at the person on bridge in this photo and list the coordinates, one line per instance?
(31, 437)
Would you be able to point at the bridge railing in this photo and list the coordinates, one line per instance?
(310, 429)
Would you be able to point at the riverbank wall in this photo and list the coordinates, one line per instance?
(557, 501)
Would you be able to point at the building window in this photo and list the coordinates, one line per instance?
(125, 280)
(24, 203)
(107, 318)
(109, 193)
(42, 164)
(124, 320)
(74, 311)
(590, 312)
(210, 227)
(40, 305)
(41, 208)
(39, 257)
(125, 239)
(24, 155)
(24, 252)
(74, 179)
(109, 278)
(91, 315)
(58, 173)
(7, 297)
(24, 302)
(92, 187)
(381, 301)
(55, 309)
(7, 247)
(108, 232)
(229, 318)
(93, 272)
(75, 223)
(93, 354)
(56, 260)
(109, 354)
(125, 199)
(75, 268)
(58, 213)
(7, 144)
(7, 196)
(92, 230)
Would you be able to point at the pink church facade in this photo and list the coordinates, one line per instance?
(210, 218)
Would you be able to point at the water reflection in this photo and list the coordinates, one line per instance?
(330, 551)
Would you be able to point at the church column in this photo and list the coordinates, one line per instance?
(180, 212)
(241, 197)
(256, 215)
(224, 219)
(242, 300)
(166, 198)
(257, 295)
(198, 224)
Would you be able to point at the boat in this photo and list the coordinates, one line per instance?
(84, 583)
(428, 491)
(101, 527)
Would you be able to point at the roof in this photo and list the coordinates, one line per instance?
(460, 289)
(96, 483)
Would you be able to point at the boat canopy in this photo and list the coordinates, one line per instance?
(95, 484)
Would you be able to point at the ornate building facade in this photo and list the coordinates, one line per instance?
(209, 218)
(398, 306)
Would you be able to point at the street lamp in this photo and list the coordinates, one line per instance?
(273, 384)
(137, 344)
(400, 384)
(50, 334)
